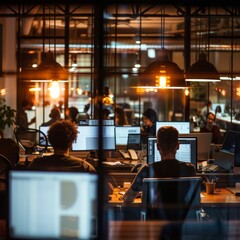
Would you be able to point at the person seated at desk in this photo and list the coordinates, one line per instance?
(149, 120)
(210, 126)
(55, 115)
(169, 166)
(61, 135)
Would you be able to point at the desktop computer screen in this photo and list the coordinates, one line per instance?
(187, 151)
(204, 140)
(88, 138)
(52, 205)
(182, 127)
(43, 129)
(122, 133)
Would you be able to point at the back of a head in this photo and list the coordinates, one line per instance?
(55, 113)
(73, 113)
(61, 134)
(167, 138)
(150, 114)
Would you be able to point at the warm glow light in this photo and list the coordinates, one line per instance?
(55, 90)
(79, 91)
(36, 89)
(162, 81)
(3, 91)
(186, 92)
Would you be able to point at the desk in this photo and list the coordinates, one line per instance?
(221, 197)
(221, 205)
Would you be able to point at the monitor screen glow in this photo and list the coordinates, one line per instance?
(88, 139)
(187, 151)
(53, 202)
(122, 133)
(43, 129)
(182, 127)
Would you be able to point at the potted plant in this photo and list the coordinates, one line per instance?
(7, 116)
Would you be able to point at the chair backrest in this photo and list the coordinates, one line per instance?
(171, 198)
(31, 140)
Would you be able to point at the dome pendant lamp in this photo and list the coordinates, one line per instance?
(202, 71)
(162, 74)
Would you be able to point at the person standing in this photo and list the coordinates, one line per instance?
(205, 110)
(22, 118)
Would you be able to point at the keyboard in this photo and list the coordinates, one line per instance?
(212, 168)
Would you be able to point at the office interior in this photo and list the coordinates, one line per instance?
(103, 51)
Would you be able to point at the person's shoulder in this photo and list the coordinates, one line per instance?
(81, 162)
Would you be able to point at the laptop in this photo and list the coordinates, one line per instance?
(51, 205)
(224, 159)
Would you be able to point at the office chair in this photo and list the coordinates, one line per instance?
(175, 199)
(31, 140)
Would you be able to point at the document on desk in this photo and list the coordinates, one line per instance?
(112, 163)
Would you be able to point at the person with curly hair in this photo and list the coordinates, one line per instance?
(61, 135)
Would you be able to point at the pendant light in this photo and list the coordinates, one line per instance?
(162, 73)
(49, 70)
(203, 70)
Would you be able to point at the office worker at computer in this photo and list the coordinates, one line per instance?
(211, 126)
(169, 166)
(149, 122)
(61, 135)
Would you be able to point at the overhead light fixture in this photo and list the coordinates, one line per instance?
(162, 74)
(202, 71)
(50, 70)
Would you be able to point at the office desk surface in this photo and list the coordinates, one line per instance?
(221, 197)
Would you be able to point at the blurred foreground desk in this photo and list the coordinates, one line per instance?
(153, 230)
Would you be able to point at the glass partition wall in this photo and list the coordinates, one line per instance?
(105, 50)
(133, 36)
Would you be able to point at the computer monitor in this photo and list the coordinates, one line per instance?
(237, 150)
(204, 140)
(187, 151)
(122, 133)
(52, 205)
(43, 129)
(182, 127)
(88, 138)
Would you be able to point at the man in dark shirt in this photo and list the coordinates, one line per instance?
(61, 136)
(167, 144)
